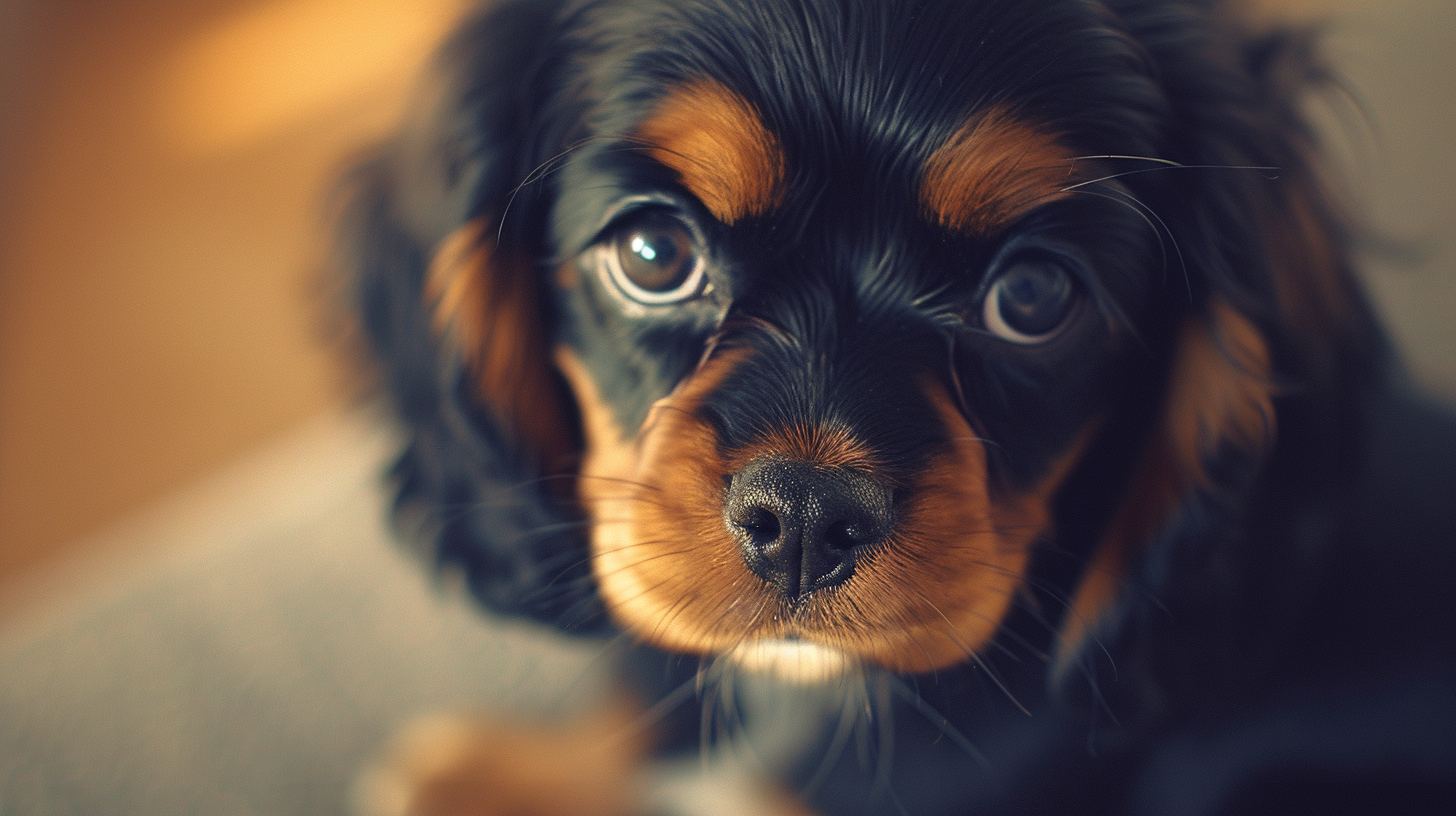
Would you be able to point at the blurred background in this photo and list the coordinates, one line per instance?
(166, 379)
(163, 184)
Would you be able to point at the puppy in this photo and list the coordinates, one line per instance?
(996, 365)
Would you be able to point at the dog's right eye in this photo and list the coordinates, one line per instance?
(654, 259)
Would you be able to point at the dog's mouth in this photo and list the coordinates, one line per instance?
(911, 580)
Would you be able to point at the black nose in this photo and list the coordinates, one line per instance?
(801, 527)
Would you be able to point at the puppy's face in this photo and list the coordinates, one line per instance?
(837, 345)
(844, 293)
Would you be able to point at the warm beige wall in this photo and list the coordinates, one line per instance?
(163, 236)
(1394, 146)
(1399, 59)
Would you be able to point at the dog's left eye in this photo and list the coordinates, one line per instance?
(654, 259)
(1030, 300)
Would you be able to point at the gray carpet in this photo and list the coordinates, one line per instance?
(264, 649)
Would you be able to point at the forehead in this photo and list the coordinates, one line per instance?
(863, 96)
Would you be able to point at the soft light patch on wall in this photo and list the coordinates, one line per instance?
(277, 62)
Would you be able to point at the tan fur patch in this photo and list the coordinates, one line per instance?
(1220, 392)
(992, 171)
(592, 766)
(939, 592)
(828, 446)
(670, 571)
(667, 567)
(456, 288)
(719, 147)
(488, 308)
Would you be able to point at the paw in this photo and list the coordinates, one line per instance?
(464, 766)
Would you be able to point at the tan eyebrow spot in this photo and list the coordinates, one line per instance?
(719, 147)
(993, 170)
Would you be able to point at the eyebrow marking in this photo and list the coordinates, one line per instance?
(718, 145)
(993, 170)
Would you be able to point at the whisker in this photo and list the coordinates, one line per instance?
(705, 720)
(543, 170)
(1000, 647)
(659, 585)
(1170, 166)
(939, 720)
(955, 377)
(886, 720)
(640, 562)
(848, 719)
(586, 559)
(619, 480)
(976, 439)
(1160, 229)
(549, 529)
(975, 658)
(613, 645)
(657, 712)
(1154, 159)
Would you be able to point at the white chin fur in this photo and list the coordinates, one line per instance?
(794, 661)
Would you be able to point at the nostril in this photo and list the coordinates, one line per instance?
(761, 525)
(842, 535)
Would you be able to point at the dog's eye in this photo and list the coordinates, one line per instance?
(1029, 301)
(654, 259)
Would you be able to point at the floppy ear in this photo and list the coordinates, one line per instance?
(488, 315)
(1275, 333)
(451, 307)
(1218, 407)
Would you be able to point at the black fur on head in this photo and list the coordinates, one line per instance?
(1191, 206)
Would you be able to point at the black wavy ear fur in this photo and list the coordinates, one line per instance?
(1267, 372)
(446, 286)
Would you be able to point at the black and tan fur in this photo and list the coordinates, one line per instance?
(1184, 545)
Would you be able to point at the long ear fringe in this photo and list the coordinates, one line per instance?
(469, 481)
(1276, 346)
(1330, 333)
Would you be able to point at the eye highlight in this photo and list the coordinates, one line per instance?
(653, 258)
(1030, 300)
